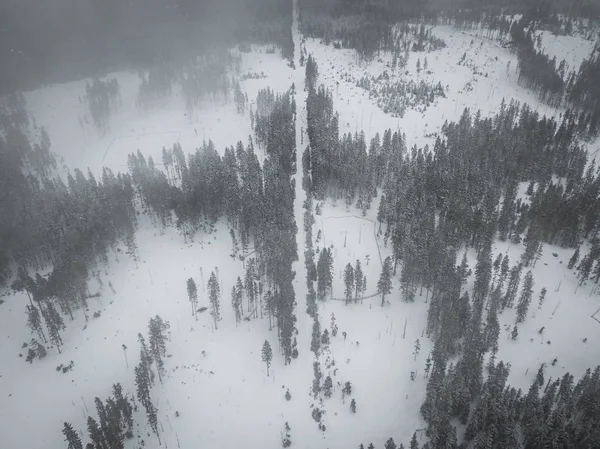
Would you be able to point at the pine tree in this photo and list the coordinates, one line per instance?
(193, 296)
(145, 358)
(427, 365)
(327, 387)
(585, 267)
(384, 285)
(142, 383)
(574, 258)
(151, 413)
(417, 348)
(267, 355)
(389, 444)
(71, 437)
(34, 321)
(413, 442)
(213, 296)
(513, 286)
(325, 337)
(315, 343)
(239, 289)
(324, 273)
(542, 297)
(96, 434)
(39, 348)
(353, 405)
(515, 333)
(157, 338)
(236, 304)
(55, 324)
(358, 280)
(525, 298)
(334, 327)
(349, 282)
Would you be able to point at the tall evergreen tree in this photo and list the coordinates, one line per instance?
(574, 258)
(358, 280)
(384, 285)
(349, 282)
(236, 303)
(267, 355)
(525, 297)
(214, 292)
(71, 437)
(157, 329)
(193, 296)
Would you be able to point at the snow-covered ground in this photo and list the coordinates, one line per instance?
(62, 111)
(216, 380)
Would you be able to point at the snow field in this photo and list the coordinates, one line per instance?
(215, 378)
(377, 356)
(61, 109)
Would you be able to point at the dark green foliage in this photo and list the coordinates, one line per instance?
(327, 387)
(267, 355)
(157, 329)
(384, 284)
(316, 337)
(324, 273)
(349, 282)
(214, 293)
(73, 440)
(525, 298)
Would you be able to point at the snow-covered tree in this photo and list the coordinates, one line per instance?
(267, 355)
(214, 292)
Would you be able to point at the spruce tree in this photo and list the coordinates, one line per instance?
(542, 297)
(413, 442)
(193, 296)
(574, 258)
(513, 286)
(327, 387)
(389, 444)
(239, 289)
(236, 304)
(358, 280)
(267, 355)
(213, 296)
(71, 437)
(525, 297)
(324, 273)
(315, 343)
(353, 405)
(515, 333)
(417, 348)
(96, 434)
(384, 285)
(349, 282)
(55, 324)
(157, 338)
(34, 321)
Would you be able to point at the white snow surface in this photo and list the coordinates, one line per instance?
(215, 378)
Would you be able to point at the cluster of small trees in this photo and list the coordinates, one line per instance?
(115, 423)
(144, 375)
(395, 98)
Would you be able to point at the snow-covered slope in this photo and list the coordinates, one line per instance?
(216, 382)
